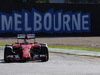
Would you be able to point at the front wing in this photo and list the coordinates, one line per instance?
(18, 58)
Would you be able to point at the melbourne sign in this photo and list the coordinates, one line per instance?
(49, 22)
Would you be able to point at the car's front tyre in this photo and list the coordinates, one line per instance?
(44, 51)
(7, 51)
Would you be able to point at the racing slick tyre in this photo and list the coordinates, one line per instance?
(7, 51)
(44, 51)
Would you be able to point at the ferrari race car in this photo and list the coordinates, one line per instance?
(26, 51)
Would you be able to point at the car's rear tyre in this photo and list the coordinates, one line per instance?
(7, 51)
(44, 51)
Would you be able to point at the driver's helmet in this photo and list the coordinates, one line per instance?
(26, 40)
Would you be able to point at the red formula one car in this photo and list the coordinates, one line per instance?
(26, 51)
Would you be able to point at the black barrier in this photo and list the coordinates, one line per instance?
(93, 9)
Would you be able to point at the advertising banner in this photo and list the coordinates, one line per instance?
(70, 19)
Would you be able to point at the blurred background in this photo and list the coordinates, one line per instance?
(56, 1)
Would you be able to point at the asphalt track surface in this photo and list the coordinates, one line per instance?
(59, 64)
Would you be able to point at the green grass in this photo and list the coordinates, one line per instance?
(75, 48)
(3, 44)
(67, 47)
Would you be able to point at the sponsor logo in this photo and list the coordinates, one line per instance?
(49, 22)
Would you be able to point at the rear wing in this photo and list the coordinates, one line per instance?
(22, 36)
